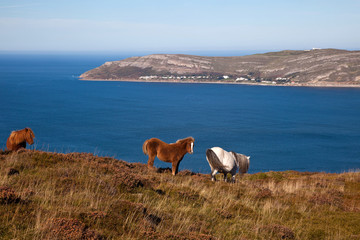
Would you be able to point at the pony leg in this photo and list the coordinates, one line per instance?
(151, 162)
(175, 168)
(213, 173)
(226, 178)
(233, 174)
(22, 145)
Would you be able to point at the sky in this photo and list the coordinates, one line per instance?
(173, 25)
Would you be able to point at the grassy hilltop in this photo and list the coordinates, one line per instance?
(80, 196)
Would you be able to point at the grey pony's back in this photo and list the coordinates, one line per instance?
(214, 160)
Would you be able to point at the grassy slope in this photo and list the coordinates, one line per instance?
(81, 196)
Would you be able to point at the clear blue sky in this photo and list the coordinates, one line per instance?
(178, 25)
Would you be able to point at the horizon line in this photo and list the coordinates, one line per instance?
(149, 52)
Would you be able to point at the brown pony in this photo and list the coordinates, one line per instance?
(18, 139)
(173, 152)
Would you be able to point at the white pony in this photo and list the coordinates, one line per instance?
(226, 162)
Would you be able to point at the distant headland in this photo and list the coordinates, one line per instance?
(315, 67)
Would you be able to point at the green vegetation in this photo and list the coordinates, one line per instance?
(80, 196)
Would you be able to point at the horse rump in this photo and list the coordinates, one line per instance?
(214, 160)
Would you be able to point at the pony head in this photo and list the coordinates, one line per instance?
(29, 136)
(242, 161)
(189, 144)
(191, 147)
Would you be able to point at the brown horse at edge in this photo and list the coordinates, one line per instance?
(18, 139)
(172, 153)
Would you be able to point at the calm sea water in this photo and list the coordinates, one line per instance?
(281, 128)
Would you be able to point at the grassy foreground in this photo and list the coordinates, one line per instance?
(80, 196)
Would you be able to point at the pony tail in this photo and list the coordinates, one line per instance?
(145, 147)
(214, 160)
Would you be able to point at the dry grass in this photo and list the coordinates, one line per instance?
(80, 196)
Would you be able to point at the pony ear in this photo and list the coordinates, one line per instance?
(248, 157)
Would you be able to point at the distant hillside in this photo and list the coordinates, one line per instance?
(76, 196)
(318, 67)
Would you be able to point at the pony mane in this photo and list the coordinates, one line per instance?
(243, 162)
(188, 139)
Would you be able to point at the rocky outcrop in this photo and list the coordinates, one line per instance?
(310, 67)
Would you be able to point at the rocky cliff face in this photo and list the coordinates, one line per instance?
(312, 67)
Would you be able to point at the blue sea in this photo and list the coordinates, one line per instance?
(281, 128)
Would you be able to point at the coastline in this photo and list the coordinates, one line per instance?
(222, 82)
